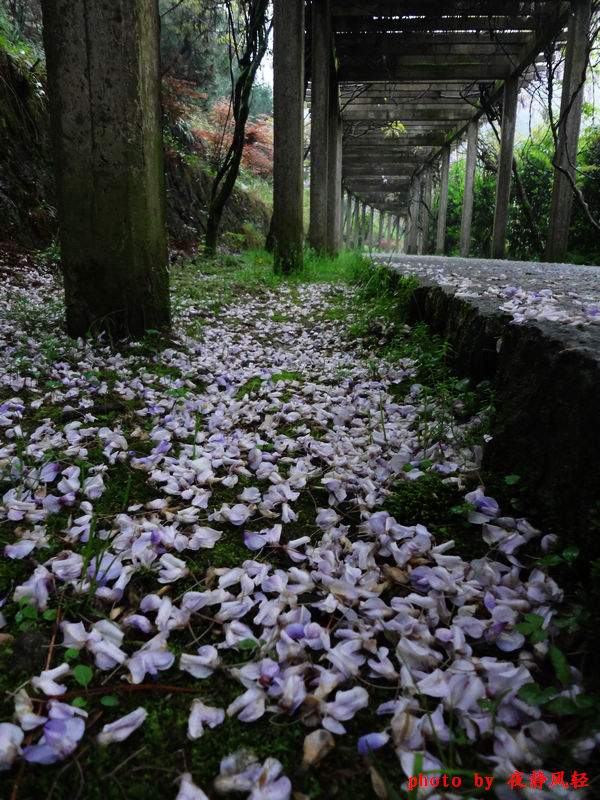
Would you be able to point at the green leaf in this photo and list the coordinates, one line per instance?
(83, 674)
(524, 627)
(407, 468)
(462, 385)
(80, 702)
(510, 480)
(562, 706)
(30, 612)
(71, 653)
(50, 614)
(536, 620)
(585, 701)
(539, 636)
(532, 693)
(560, 664)
(552, 560)
(570, 554)
(247, 644)
(109, 700)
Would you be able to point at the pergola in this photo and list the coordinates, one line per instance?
(392, 86)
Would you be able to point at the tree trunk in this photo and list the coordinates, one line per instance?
(256, 37)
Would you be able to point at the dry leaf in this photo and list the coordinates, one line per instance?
(379, 786)
(316, 746)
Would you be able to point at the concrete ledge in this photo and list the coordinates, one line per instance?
(546, 374)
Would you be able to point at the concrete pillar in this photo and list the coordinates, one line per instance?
(388, 231)
(319, 124)
(426, 212)
(380, 231)
(288, 134)
(412, 232)
(509, 121)
(362, 234)
(356, 240)
(469, 190)
(397, 235)
(348, 220)
(443, 202)
(103, 83)
(334, 178)
(568, 130)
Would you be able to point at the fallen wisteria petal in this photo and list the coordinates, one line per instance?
(281, 789)
(365, 600)
(11, 738)
(152, 657)
(59, 739)
(119, 730)
(46, 682)
(372, 741)
(202, 665)
(201, 715)
(172, 569)
(203, 537)
(346, 703)
(20, 549)
(249, 706)
(188, 789)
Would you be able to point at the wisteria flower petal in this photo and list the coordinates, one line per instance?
(188, 789)
(120, 729)
(11, 738)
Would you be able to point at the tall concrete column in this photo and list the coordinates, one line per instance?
(507, 139)
(103, 82)
(334, 178)
(319, 124)
(347, 218)
(412, 232)
(380, 231)
(397, 234)
(356, 239)
(426, 212)
(443, 202)
(387, 231)
(362, 235)
(469, 190)
(568, 130)
(288, 134)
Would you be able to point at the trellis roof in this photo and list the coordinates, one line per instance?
(413, 73)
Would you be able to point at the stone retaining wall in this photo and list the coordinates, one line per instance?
(546, 376)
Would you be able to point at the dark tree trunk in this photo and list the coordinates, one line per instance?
(255, 41)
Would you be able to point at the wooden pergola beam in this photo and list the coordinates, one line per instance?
(472, 23)
(409, 68)
(459, 8)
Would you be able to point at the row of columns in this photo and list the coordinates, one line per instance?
(365, 226)
(326, 208)
(565, 157)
